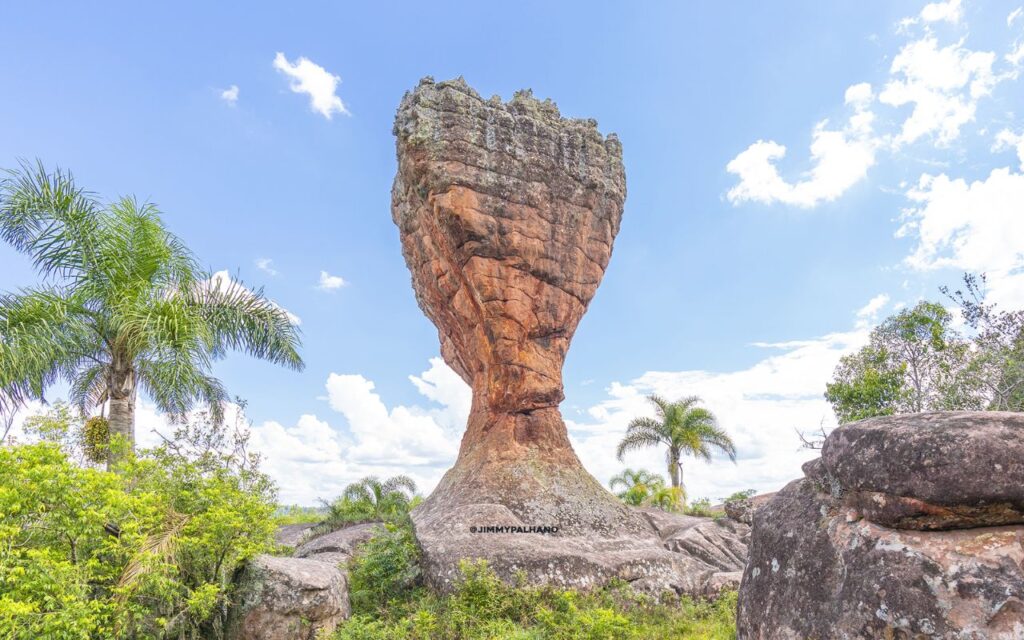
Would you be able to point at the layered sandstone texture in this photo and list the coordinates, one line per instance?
(507, 214)
(906, 527)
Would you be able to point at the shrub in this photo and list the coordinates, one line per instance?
(385, 568)
(148, 552)
(482, 606)
(700, 508)
(739, 496)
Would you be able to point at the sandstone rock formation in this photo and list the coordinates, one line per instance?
(907, 527)
(288, 599)
(507, 213)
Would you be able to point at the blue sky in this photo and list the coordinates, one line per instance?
(739, 273)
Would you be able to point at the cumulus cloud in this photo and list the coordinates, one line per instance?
(840, 157)
(950, 11)
(973, 226)
(266, 265)
(329, 282)
(943, 84)
(1007, 139)
(761, 407)
(1016, 13)
(867, 314)
(230, 95)
(319, 84)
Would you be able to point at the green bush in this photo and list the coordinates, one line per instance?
(700, 508)
(482, 606)
(147, 552)
(386, 568)
(739, 496)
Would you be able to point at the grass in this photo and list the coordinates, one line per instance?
(389, 602)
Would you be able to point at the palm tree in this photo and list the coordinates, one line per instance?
(681, 426)
(637, 486)
(383, 497)
(124, 305)
(369, 499)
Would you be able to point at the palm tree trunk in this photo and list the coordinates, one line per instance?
(675, 470)
(122, 413)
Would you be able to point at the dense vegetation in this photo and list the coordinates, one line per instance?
(390, 603)
(147, 552)
(917, 360)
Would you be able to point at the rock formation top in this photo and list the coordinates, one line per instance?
(507, 213)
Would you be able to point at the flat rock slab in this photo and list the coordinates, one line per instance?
(942, 458)
(686, 555)
(291, 535)
(338, 546)
(288, 599)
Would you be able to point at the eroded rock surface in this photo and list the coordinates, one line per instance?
(829, 559)
(507, 214)
(288, 599)
(337, 547)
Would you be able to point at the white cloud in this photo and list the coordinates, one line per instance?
(1016, 13)
(944, 85)
(266, 265)
(841, 158)
(315, 81)
(329, 282)
(1017, 55)
(950, 11)
(230, 95)
(973, 226)
(867, 314)
(1007, 139)
(761, 407)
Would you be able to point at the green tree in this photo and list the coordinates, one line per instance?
(636, 486)
(683, 428)
(997, 360)
(914, 361)
(124, 306)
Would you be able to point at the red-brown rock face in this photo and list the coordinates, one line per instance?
(507, 215)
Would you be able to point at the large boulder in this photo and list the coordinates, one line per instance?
(287, 599)
(822, 565)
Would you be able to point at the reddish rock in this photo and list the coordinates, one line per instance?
(507, 214)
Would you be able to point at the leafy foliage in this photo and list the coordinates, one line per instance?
(370, 499)
(124, 305)
(700, 508)
(386, 568)
(145, 553)
(482, 606)
(997, 359)
(916, 361)
(637, 487)
(683, 428)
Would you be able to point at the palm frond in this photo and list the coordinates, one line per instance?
(399, 483)
(47, 217)
(245, 320)
(636, 440)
